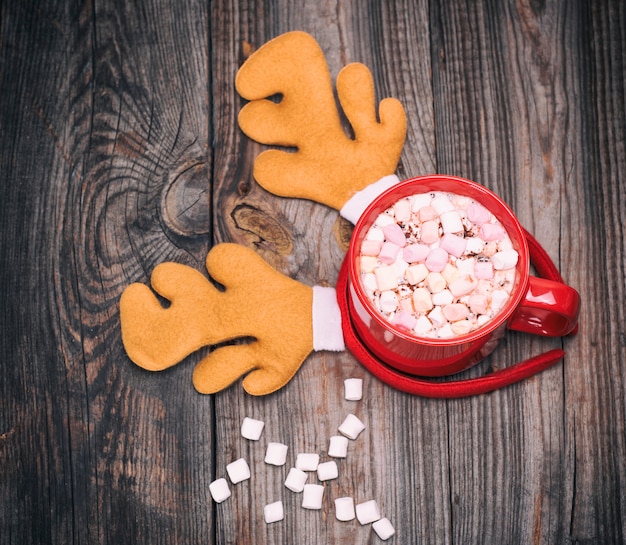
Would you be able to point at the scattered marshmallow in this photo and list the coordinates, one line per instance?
(383, 528)
(238, 471)
(353, 389)
(312, 496)
(338, 447)
(307, 461)
(251, 428)
(219, 490)
(367, 512)
(351, 427)
(327, 471)
(296, 479)
(273, 512)
(276, 454)
(344, 509)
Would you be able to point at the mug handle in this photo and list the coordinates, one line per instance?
(468, 387)
(549, 308)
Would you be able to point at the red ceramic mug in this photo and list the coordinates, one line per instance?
(535, 305)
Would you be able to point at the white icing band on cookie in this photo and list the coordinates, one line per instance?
(356, 205)
(327, 333)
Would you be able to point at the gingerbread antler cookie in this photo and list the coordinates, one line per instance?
(258, 304)
(327, 165)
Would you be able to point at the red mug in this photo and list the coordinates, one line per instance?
(535, 305)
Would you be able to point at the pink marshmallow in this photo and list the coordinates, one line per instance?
(404, 320)
(426, 213)
(479, 303)
(453, 244)
(483, 270)
(430, 232)
(393, 233)
(415, 253)
(388, 252)
(437, 260)
(461, 286)
(402, 210)
(371, 247)
(477, 214)
(492, 232)
(455, 312)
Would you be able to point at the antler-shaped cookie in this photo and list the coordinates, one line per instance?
(327, 166)
(258, 303)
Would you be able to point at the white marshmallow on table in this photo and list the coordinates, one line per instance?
(276, 454)
(296, 480)
(327, 471)
(344, 508)
(383, 528)
(351, 427)
(338, 447)
(307, 461)
(273, 512)
(353, 389)
(251, 428)
(219, 490)
(312, 496)
(367, 512)
(238, 471)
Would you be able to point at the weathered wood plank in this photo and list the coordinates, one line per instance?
(110, 119)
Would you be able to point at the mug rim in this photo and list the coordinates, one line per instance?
(400, 190)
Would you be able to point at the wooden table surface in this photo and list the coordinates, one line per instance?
(120, 150)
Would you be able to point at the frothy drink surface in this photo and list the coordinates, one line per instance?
(438, 265)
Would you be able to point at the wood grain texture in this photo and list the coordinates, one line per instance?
(120, 150)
